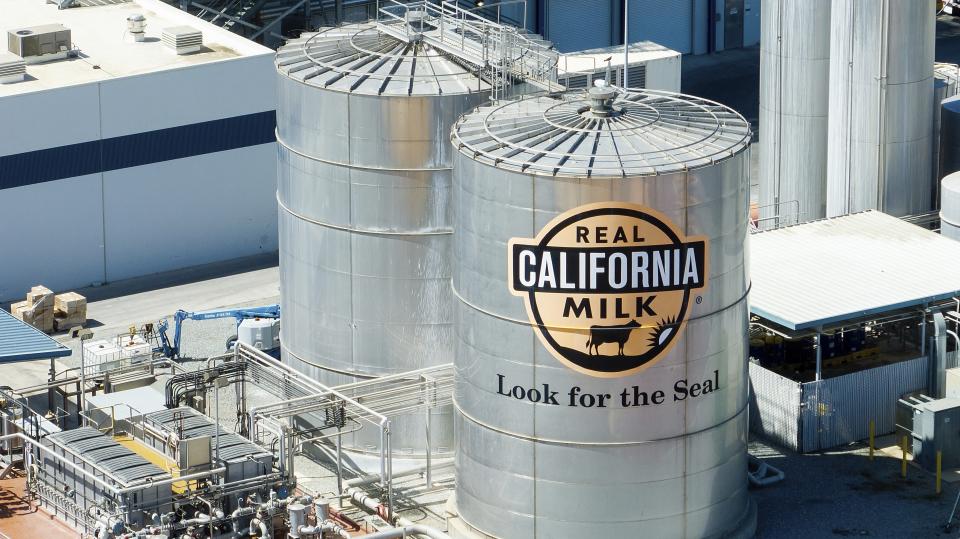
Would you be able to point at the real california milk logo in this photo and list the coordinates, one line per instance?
(608, 286)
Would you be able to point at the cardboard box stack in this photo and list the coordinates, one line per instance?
(37, 310)
(47, 312)
(70, 310)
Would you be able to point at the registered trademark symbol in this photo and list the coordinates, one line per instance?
(699, 300)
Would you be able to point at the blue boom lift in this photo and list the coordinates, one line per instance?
(172, 350)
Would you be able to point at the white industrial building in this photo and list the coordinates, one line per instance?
(649, 65)
(122, 157)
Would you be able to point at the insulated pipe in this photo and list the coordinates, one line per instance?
(256, 524)
(406, 531)
(330, 526)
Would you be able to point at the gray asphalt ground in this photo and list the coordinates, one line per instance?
(837, 493)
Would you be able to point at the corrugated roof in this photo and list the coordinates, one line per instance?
(23, 342)
(824, 272)
(194, 425)
(108, 454)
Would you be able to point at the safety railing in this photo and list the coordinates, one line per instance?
(501, 52)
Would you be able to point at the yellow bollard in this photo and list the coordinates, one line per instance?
(903, 460)
(939, 470)
(871, 439)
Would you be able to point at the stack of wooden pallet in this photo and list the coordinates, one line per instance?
(70, 310)
(37, 310)
(48, 312)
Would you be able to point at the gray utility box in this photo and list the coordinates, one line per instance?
(953, 383)
(936, 426)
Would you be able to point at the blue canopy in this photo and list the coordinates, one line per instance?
(20, 341)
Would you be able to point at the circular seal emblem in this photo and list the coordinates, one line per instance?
(608, 286)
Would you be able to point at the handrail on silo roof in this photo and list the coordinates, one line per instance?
(500, 50)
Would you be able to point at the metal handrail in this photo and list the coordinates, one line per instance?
(501, 51)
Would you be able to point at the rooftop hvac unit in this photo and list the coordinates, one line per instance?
(649, 66)
(40, 43)
(12, 68)
(183, 39)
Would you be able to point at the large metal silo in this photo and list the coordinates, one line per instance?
(794, 97)
(946, 78)
(364, 183)
(881, 89)
(574, 413)
(950, 206)
(949, 136)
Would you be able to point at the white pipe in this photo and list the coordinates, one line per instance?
(371, 478)
(257, 523)
(332, 527)
(406, 531)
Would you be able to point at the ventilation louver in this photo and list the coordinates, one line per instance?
(183, 39)
(12, 68)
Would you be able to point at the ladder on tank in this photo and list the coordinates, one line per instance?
(501, 52)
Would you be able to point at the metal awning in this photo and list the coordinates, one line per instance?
(825, 272)
(22, 342)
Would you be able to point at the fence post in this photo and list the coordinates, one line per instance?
(939, 470)
(872, 425)
(903, 460)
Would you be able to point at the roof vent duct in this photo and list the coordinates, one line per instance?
(12, 68)
(37, 44)
(183, 39)
(137, 26)
(601, 99)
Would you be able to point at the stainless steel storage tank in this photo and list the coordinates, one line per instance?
(945, 84)
(794, 97)
(950, 74)
(940, 88)
(949, 136)
(881, 87)
(601, 272)
(950, 206)
(364, 179)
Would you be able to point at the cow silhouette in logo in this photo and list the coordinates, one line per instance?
(610, 334)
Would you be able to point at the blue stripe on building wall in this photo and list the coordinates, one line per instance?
(138, 149)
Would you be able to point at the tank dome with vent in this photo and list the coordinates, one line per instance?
(553, 197)
(626, 134)
(360, 59)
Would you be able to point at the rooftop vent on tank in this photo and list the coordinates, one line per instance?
(37, 44)
(12, 68)
(183, 39)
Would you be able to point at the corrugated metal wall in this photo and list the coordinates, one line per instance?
(667, 22)
(774, 406)
(573, 28)
(838, 410)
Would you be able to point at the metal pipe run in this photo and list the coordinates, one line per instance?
(407, 531)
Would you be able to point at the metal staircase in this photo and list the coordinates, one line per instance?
(504, 54)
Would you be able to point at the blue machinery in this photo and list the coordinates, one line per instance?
(172, 350)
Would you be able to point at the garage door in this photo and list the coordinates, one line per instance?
(576, 25)
(666, 22)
